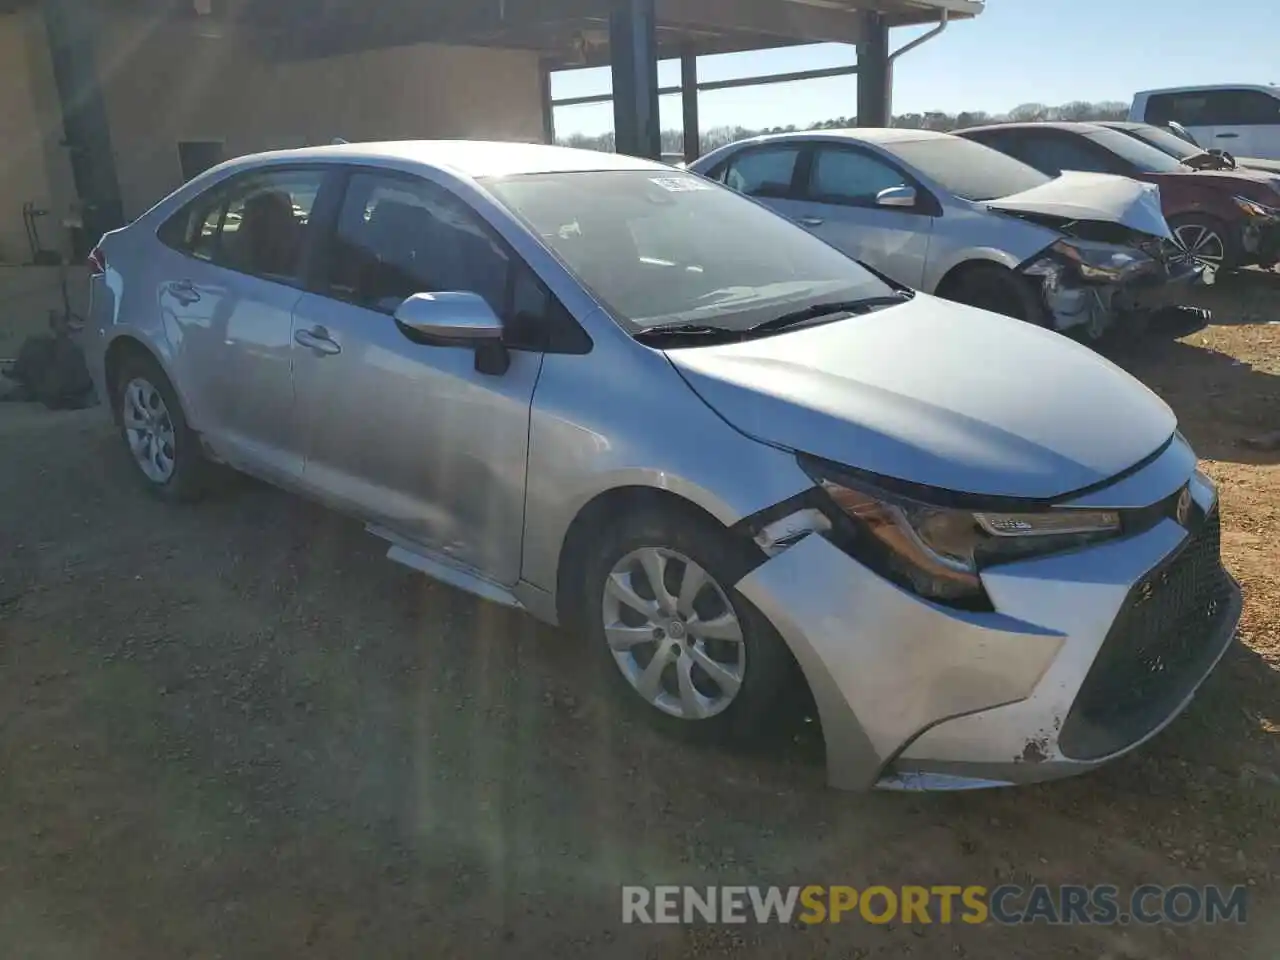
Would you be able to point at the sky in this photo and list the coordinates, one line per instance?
(1018, 51)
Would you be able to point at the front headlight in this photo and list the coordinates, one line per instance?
(1251, 208)
(939, 551)
(1106, 262)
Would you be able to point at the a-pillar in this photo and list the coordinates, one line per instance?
(633, 55)
(874, 72)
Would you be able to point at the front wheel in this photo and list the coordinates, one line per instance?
(999, 290)
(1206, 240)
(679, 644)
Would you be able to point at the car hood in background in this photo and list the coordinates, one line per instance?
(939, 394)
(1257, 163)
(1093, 196)
(1257, 185)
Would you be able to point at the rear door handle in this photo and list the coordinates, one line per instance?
(319, 341)
(1227, 136)
(810, 221)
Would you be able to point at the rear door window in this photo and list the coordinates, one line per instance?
(764, 171)
(259, 223)
(1215, 108)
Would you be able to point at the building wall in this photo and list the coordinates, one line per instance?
(33, 164)
(169, 83)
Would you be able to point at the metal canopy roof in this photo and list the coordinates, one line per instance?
(566, 32)
(575, 32)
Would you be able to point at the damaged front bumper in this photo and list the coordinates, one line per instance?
(1089, 288)
(1260, 239)
(1085, 656)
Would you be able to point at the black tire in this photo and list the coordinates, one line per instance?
(999, 290)
(1186, 228)
(769, 669)
(189, 480)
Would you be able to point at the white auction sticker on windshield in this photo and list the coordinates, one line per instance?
(680, 184)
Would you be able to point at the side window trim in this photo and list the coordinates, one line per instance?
(927, 204)
(564, 334)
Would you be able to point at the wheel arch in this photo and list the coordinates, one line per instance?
(974, 260)
(627, 498)
(130, 344)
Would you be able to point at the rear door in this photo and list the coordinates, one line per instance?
(840, 206)
(228, 307)
(406, 434)
(1247, 122)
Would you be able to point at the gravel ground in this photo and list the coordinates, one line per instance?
(237, 731)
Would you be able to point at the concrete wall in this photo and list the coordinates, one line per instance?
(33, 164)
(169, 82)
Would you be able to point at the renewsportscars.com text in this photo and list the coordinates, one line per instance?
(1066, 904)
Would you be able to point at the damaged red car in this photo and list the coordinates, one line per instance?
(1225, 219)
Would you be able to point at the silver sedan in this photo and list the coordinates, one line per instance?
(1078, 253)
(638, 405)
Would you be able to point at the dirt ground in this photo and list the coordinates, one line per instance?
(237, 731)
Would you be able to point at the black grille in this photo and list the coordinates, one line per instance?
(1167, 634)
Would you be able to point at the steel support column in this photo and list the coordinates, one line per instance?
(689, 99)
(87, 131)
(633, 55)
(874, 72)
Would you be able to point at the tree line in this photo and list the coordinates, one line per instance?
(1080, 110)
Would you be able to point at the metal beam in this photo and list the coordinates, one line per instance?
(733, 84)
(689, 101)
(795, 21)
(634, 52)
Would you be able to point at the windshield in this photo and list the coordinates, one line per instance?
(1164, 141)
(1142, 155)
(661, 247)
(967, 169)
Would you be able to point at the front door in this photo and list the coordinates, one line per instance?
(405, 434)
(840, 206)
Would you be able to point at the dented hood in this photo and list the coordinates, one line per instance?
(939, 394)
(1093, 196)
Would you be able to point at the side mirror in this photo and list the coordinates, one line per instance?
(896, 197)
(457, 319)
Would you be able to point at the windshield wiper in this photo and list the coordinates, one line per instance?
(664, 331)
(820, 311)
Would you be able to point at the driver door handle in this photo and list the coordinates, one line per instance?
(810, 221)
(1228, 136)
(319, 341)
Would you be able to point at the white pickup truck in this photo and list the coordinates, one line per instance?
(1241, 119)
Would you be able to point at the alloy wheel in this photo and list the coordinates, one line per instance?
(673, 633)
(149, 430)
(1202, 244)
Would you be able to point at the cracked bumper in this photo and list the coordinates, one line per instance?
(912, 695)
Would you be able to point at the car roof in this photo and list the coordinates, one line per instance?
(863, 134)
(1122, 124)
(1074, 127)
(1265, 87)
(466, 158)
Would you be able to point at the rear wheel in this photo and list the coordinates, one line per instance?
(995, 288)
(163, 448)
(678, 643)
